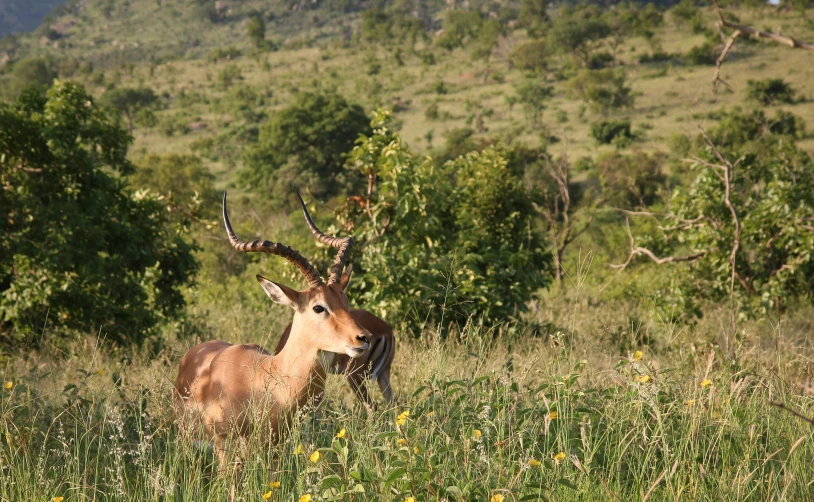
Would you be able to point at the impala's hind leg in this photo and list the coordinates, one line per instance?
(384, 385)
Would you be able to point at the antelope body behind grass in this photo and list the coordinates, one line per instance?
(374, 363)
(233, 388)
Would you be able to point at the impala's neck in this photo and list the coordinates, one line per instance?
(298, 368)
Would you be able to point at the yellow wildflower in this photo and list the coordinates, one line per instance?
(314, 457)
(553, 415)
(267, 495)
(340, 434)
(643, 378)
(100, 372)
(298, 449)
(402, 417)
(306, 498)
(477, 433)
(706, 382)
(559, 457)
(409, 499)
(496, 498)
(274, 484)
(430, 413)
(637, 356)
(534, 462)
(401, 442)
(57, 499)
(415, 450)
(690, 402)
(9, 385)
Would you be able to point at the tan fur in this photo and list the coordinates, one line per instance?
(231, 387)
(359, 369)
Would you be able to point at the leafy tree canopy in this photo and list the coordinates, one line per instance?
(77, 249)
(304, 144)
(457, 235)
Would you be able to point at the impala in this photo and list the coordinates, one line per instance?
(231, 388)
(373, 364)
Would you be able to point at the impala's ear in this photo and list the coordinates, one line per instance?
(279, 293)
(345, 279)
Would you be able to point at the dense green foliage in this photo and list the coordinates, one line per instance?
(449, 242)
(33, 73)
(304, 144)
(610, 130)
(602, 90)
(751, 199)
(770, 91)
(78, 250)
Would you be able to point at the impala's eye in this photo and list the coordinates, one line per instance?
(319, 309)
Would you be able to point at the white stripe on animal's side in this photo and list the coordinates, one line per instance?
(374, 374)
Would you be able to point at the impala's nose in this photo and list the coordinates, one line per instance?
(363, 338)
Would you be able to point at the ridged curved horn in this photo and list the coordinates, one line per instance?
(343, 244)
(292, 255)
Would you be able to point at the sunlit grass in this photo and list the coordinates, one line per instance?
(470, 423)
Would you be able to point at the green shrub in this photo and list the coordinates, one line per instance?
(608, 131)
(455, 236)
(704, 54)
(530, 56)
(770, 90)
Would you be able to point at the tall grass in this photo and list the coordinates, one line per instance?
(523, 419)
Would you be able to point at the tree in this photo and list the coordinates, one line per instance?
(256, 30)
(602, 90)
(745, 224)
(183, 180)
(567, 209)
(445, 243)
(531, 56)
(304, 144)
(579, 31)
(533, 93)
(78, 251)
(129, 101)
(459, 27)
(32, 73)
(534, 17)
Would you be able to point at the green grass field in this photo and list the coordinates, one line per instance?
(570, 416)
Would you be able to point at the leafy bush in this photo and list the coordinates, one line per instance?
(183, 180)
(32, 73)
(80, 251)
(607, 131)
(578, 32)
(129, 101)
(455, 236)
(770, 90)
(530, 56)
(602, 90)
(703, 54)
(304, 144)
(533, 94)
(765, 222)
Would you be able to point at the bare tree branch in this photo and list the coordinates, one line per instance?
(747, 30)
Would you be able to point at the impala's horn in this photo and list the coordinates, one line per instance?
(342, 244)
(292, 255)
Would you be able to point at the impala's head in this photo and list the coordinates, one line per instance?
(322, 317)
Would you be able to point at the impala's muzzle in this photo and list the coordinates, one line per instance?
(358, 350)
